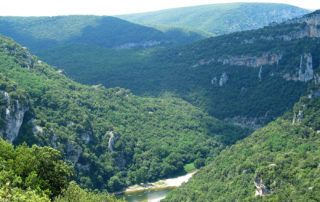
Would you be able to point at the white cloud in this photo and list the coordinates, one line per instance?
(114, 7)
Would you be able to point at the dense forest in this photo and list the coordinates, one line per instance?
(42, 33)
(107, 134)
(105, 50)
(38, 174)
(248, 78)
(279, 162)
(157, 102)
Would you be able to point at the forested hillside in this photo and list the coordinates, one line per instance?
(279, 162)
(218, 19)
(116, 53)
(248, 78)
(38, 174)
(111, 137)
(158, 104)
(42, 33)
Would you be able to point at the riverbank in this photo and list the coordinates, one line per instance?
(170, 183)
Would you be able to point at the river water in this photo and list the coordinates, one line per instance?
(154, 192)
(147, 196)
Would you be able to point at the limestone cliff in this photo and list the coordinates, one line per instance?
(13, 116)
(252, 61)
(305, 71)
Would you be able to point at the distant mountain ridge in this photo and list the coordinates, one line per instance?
(39, 33)
(218, 19)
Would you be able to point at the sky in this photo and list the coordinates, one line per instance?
(115, 7)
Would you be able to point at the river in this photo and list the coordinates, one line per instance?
(147, 196)
(154, 192)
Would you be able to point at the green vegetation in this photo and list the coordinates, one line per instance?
(285, 156)
(112, 137)
(189, 167)
(218, 19)
(38, 174)
(38, 170)
(41, 33)
(86, 53)
(193, 72)
(76, 194)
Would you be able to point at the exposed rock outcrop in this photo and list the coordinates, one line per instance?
(298, 114)
(305, 72)
(306, 68)
(223, 79)
(297, 117)
(214, 81)
(246, 122)
(307, 26)
(113, 137)
(260, 74)
(261, 189)
(14, 116)
(244, 60)
(145, 44)
(316, 78)
(310, 27)
(252, 61)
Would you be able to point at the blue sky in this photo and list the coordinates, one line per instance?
(115, 7)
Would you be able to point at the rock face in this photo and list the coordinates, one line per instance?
(243, 60)
(307, 26)
(310, 27)
(297, 117)
(306, 68)
(260, 74)
(252, 61)
(14, 115)
(261, 189)
(246, 122)
(146, 44)
(223, 79)
(113, 137)
(305, 72)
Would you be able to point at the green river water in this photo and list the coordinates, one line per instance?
(147, 196)
(157, 191)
